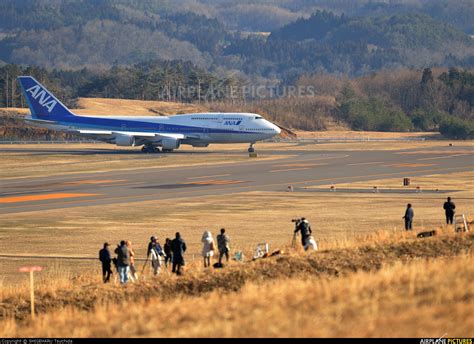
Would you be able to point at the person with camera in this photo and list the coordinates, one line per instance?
(123, 261)
(303, 226)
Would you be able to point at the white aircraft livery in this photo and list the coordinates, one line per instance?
(197, 129)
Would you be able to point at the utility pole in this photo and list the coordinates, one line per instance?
(6, 90)
(13, 92)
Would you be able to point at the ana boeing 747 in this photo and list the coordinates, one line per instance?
(153, 133)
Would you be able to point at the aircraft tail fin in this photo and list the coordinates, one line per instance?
(43, 104)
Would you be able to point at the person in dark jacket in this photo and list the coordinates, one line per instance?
(105, 257)
(305, 229)
(223, 244)
(178, 247)
(409, 213)
(449, 207)
(168, 253)
(123, 261)
(151, 244)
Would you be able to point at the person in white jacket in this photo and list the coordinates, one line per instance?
(207, 248)
(157, 255)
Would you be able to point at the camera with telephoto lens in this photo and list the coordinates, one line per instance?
(296, 220)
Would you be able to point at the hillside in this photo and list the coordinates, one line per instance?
(220, 35)
(127, 107)
(365, 285)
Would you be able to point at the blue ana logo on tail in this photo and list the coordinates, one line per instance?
(42, 97)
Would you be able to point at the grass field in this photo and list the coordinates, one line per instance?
(371, 288)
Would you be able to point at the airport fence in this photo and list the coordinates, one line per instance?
(280, 140)
(39, 142)
(342, 139)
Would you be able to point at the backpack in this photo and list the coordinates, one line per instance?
(304, 227)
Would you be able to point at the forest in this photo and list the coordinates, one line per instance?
(319, 36)
(370, 65)
(403, 100)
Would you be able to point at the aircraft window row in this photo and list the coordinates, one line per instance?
(203, 118)
(259, 129)
(232, 119)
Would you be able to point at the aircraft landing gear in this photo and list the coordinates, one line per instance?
(251, 149)
(150, 149)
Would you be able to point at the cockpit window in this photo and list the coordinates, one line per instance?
(258, 117)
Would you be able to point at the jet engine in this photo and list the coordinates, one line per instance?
(170, 143)
(124, 140)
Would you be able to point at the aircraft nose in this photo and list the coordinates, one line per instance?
(277, 129)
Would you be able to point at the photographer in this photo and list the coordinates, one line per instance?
(303, 227)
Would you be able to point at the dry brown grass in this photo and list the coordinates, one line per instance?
(349, 134)
(463, 182)
(379, 291)
(324, 146)
(127, 107)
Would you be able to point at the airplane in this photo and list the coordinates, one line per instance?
(153, 133)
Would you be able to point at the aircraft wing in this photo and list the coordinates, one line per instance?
(135, 134)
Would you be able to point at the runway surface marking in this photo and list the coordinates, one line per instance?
(242, 188)
(409, 165)
(43, 197)
(90, 181)
(436, 152)
(443, 157)
(217, 182)
(213, 176)
(366, 163)
(290, 169)
(300, 165)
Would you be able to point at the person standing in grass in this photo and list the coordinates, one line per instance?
(178, 247)
(168, 253)
(207, 248)
(156, 257)
(105, 257)
(305, 229)
(123, 261)
(223, 244)
(409, 214)
(133, 272)
(449, 207)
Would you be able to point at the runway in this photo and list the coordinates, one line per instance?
(300, 168)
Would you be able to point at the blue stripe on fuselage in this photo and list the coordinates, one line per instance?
(139, 126)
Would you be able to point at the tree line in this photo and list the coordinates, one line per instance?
(402, 100)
